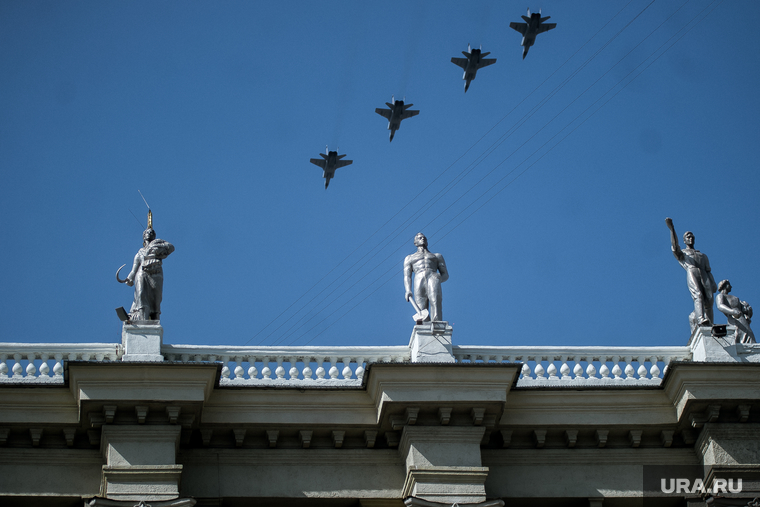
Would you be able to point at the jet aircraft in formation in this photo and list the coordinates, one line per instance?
(534, 25)
(329, 162)
(474, 60)
(397, 112)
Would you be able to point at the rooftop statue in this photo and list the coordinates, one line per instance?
(737, 312)
(699, 277)
(429, 272)
(147, 275)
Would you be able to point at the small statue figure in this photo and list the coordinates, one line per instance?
(429, 272)
(737, 312)
(147, 275)
(699, 278)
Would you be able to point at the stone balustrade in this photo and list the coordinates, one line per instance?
(300, 366)
(303, 366)
(42, 363)
(556, 366)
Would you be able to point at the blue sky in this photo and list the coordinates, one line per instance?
(545, 187)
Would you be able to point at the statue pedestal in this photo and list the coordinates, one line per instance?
(142, 340)
(706, 347)
(431, 343)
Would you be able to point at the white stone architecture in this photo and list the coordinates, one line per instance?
(429, 424)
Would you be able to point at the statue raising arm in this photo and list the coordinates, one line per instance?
(677, 253)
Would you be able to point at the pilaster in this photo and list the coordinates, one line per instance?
(140, 462)
(443, 464)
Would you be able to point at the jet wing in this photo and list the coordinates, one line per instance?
(461, 62)
(520, 27)
(409, 114)
(485, 62)
(545, 27)
(383, 112)
(318, 161)
(343, 163)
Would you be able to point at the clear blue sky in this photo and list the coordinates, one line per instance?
(213, 109)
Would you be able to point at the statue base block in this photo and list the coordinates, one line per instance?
(710, 348)
(431, 343)
(142, 340)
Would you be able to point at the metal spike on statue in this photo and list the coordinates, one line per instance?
(147, 276)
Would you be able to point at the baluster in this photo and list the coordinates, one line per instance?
(539, 370)
(3, 366)
(333, 369)
(591, 370)
(293, 372)
(253, 372)
(226, 365)
(265, 370)
(360, 368)
(654, 371)
(44, 368)
(604, 370)
(565, 371)
(526, 372)
(239, 370)
(58, 366)
(616, 370)
(279, 371)
(347, 373)
(552, 370)
(307, 372)
(578, 370)
(642, 371)
(17, 369)
(321, 370)
(30, 368)
(629, 371)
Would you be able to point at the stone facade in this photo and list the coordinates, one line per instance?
(424, 429)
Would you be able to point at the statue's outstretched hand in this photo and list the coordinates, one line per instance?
(669, 222)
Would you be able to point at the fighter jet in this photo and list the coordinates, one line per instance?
(534, 25)
(329, 163)
(472, 63)
(397, 112)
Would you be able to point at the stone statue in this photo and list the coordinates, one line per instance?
(737, 312)
(699, 278)
(429, 272)
(147, 276)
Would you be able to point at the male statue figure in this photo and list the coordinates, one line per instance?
(429, 272)
(737, 312)
(699, 279)
(147, 276)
